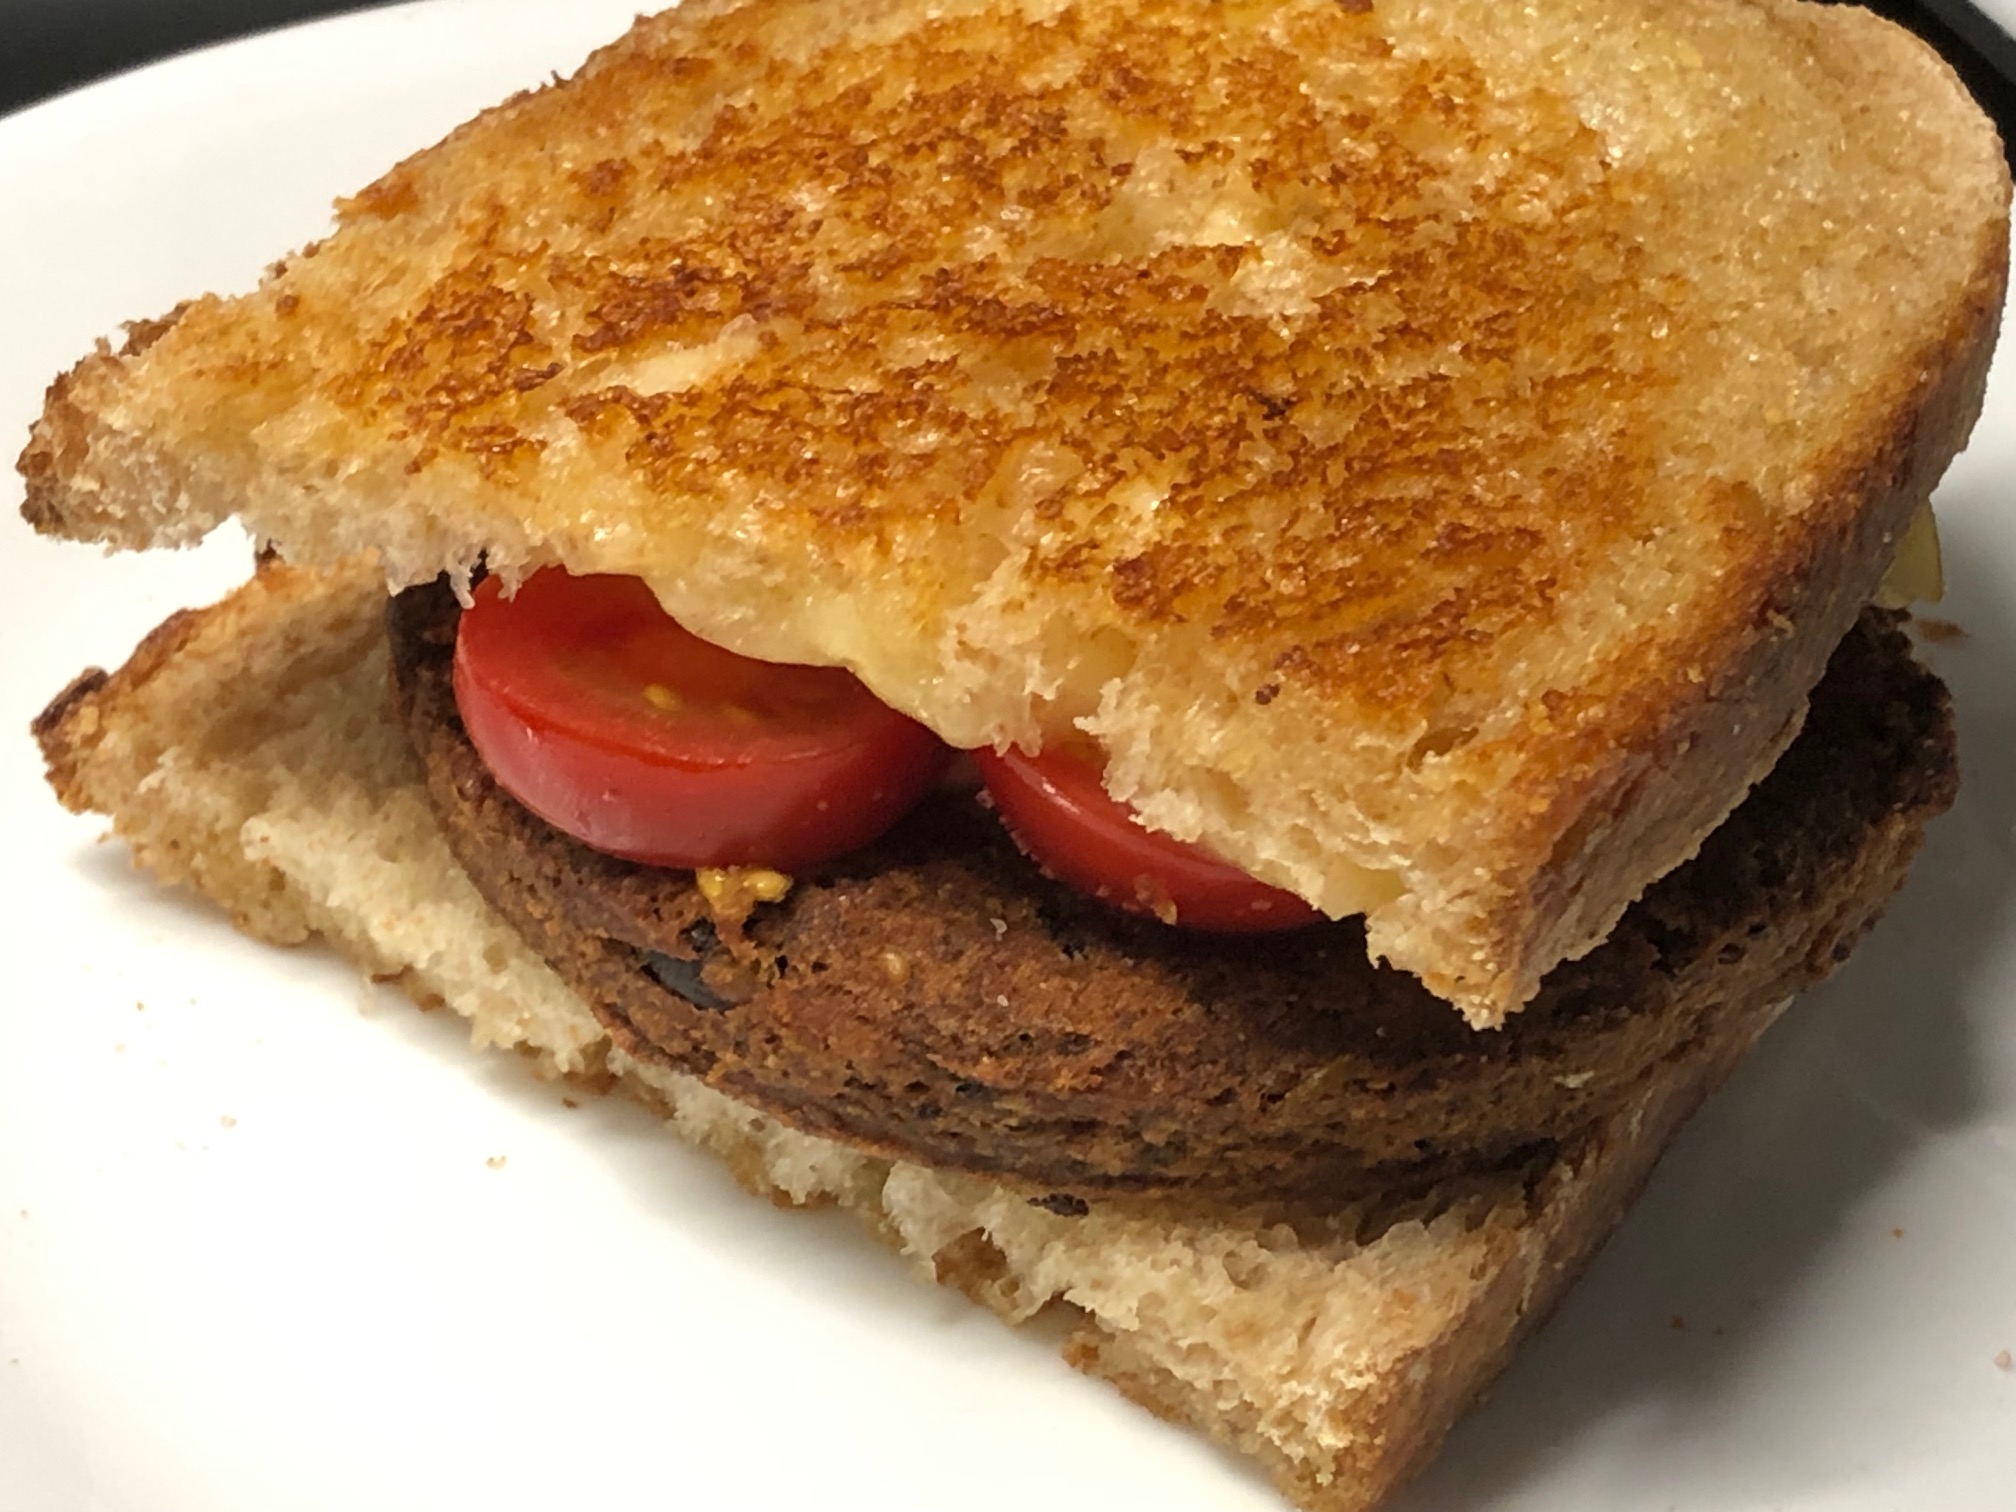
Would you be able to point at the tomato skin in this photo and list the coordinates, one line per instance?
(597, 711)
(1059, 813)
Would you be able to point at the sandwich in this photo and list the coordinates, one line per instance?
(1245, 405)
(1427, 463)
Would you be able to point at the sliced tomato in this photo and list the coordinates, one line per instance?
(1056, 807)
(598, 712)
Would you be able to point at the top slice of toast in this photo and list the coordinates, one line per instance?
(1433, 447)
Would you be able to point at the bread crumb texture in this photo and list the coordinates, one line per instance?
(249, 750)
(1396, 431)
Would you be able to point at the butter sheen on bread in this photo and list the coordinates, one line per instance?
(1432, 447)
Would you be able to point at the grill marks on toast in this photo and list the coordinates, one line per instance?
(932, 998)
(1300, 349)
(1433, 447)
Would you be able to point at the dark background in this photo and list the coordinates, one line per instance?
(50, 45)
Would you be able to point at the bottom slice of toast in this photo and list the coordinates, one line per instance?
(248, 750)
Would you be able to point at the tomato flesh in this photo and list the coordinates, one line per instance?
(1061, 815)
(602, 715)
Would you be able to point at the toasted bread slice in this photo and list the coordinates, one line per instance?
(1433, 447)
(251, 750)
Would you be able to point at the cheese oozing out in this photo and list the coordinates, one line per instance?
(896, 671)
(1916, 574)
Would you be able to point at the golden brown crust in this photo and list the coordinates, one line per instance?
(106, 734)
(58, 447)
(1451, 450)
(72, 726)
(1642, 789)
(64, 729)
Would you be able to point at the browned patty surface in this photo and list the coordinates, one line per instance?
(934, 997)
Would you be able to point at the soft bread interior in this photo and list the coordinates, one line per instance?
(248, 750)
(1433, 446)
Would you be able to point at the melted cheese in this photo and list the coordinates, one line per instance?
(1915, 575)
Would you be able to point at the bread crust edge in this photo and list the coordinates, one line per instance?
(1769, 642)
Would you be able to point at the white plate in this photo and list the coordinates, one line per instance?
(254, 1253)
(2001, 12)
